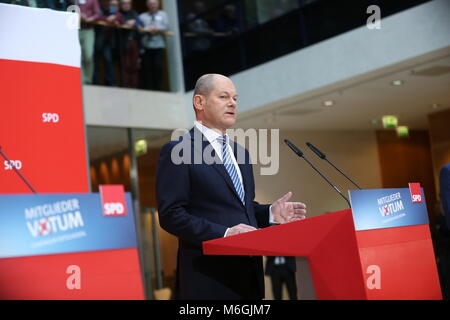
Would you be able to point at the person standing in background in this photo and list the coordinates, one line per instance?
(155, 22)
(443, 237)
(129, 45)
(89, 13)
(282, 271)
(444, 183)
(201, 39)
(105, 42)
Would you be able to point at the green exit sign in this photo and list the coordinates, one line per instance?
(390, 122)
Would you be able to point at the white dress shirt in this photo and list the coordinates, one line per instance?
(213, 138)
(159, 20)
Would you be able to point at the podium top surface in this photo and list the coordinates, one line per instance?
(298, 238)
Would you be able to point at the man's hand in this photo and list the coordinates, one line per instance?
(83, 17)
(130, 22)
(284, 211)
(89, 19)
(111, 18)
(152, 30)
(240, 228)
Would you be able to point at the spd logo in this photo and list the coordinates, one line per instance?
(113, 200)
(113, 209)
(416, 192)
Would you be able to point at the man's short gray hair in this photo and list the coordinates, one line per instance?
(205, 84)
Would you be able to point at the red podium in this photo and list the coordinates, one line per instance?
(389, 263)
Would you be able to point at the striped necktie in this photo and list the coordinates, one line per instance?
(231, 169)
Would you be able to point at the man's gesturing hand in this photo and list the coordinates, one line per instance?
(284, 211)
(240, 228)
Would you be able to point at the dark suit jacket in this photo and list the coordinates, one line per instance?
(198, 202)
(444, 185)
(289, 263)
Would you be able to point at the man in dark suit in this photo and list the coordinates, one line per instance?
(282, 271)
(444, 183)
(442, 236)
(205, 190)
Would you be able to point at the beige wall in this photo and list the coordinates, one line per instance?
(354, 152)
(133, 108)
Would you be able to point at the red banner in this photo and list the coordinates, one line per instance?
(42, 136)
(41, 122)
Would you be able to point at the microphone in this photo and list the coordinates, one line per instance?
(298, 152)
(17, 171)
(322, 156)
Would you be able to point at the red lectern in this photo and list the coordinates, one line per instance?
(389, 263)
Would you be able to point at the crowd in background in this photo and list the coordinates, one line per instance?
(121, 47)
(205, 25)
(113, 34)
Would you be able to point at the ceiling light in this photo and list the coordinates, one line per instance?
(397, 82)
(328, 103)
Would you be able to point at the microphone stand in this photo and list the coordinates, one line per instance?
(327, 180)
(354, 183)
(322, 156)
(301, 155)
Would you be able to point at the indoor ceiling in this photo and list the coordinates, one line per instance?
(359, 103)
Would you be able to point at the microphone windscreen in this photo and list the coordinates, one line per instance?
(319, 153)
(293, 148)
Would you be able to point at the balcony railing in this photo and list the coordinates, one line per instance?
(236, 35)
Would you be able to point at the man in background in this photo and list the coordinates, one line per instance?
(106, 43)
(282, 272)
(444, 182)
(89, 13)
(129, 45)
(155, 22)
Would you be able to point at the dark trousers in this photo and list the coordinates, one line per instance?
(104, 53)
(282, 275)
(152, 69)
(130, 66)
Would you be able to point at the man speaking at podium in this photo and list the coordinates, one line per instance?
(204, 201)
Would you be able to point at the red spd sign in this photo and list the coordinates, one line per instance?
(416, 192)
(113, 200)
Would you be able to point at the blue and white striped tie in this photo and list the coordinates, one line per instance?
(231, 169)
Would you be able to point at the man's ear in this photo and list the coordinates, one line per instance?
(199, 102)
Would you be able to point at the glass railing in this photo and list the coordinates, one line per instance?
(216, 36)
(231, 36)
(117, 46)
